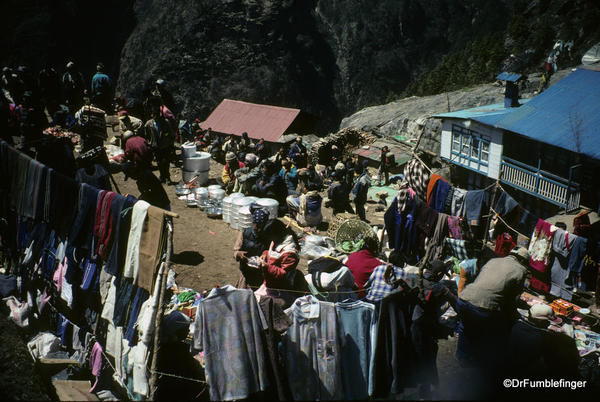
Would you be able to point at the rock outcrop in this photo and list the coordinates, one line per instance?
(409, 116)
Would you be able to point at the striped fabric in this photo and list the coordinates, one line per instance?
(417, 177)
(459, 248)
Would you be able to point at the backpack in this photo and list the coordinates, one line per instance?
(322, 264)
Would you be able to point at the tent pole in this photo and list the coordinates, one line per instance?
(160, 312)
(489, 217)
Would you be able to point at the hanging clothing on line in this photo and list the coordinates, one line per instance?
(277, 322)
(401, 229)
(431, 186)
(132, 260)
(395, 357)
(356, 328)
(475, 202)
(539, 251)
(417, 176)
(121, 211)
(435, 245)
(403, 194)
(227, 328)
(459, 248)
(447, 208)
(103, 224)
(426, 219)
(62, 201)
(454, 229)
(312, 351)
(151, 247)
(527, 222)
(562, 243)
(458, 202)
(439, 191)
(505, 204)
(82, 227)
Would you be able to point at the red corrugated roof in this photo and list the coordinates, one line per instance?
(259, 121)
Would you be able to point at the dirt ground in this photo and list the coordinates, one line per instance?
(203, 247)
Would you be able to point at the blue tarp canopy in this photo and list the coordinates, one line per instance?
(566, 115)
(512, 77)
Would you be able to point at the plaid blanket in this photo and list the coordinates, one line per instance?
(459, 248)
(417, 177)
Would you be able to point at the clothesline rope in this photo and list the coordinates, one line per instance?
(178, 376)
(507, 225)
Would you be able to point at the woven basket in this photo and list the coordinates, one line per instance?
(336, 221)
(350, 229)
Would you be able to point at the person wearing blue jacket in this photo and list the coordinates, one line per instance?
(271, 185)
(289, 175)
(101, 89)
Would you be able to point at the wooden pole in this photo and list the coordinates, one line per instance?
(489, 218)
(159, 313)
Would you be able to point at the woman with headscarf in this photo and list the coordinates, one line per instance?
(228, 173)
(248, 248)
(283, 282)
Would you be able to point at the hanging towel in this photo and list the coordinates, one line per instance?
(539, 251)
(132, 260)
(96, 363)
(152, 242)
(121, 214)
(103, 224)
(559, 272)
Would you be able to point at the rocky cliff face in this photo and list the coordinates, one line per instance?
(327, 57)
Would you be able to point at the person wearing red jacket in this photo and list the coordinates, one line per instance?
(278, 265)
(362, 264)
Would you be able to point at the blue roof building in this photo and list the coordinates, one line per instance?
(548, 148)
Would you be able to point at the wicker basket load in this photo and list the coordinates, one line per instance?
(350, 231)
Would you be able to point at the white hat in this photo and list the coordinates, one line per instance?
(543, 311)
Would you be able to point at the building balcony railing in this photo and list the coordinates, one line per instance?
(540, 184)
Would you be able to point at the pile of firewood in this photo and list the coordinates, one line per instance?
(347, 139)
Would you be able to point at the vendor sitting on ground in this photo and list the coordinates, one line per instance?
(248, 248)
(228, 174)
(289, 175)
(270, 184)
(362, 263)
(245, 178)
(306, 208)
(278, 265)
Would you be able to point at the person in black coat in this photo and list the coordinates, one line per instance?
(271, 185)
